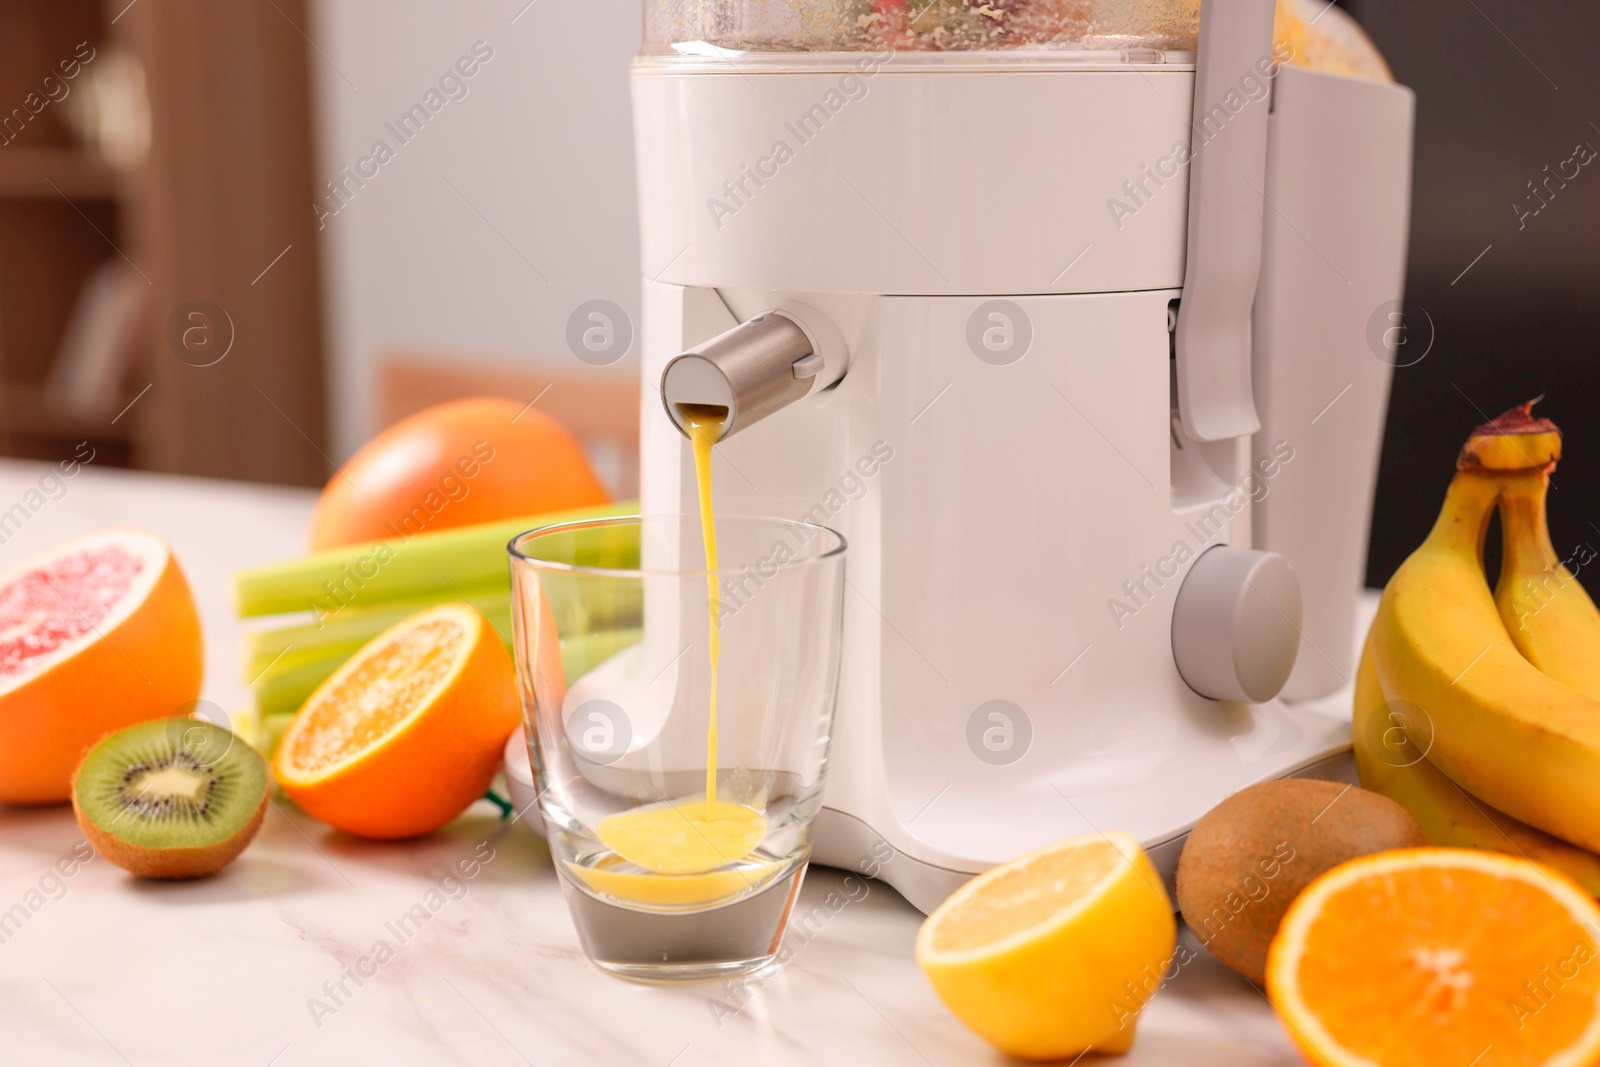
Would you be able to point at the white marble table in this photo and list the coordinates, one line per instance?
(244, 968)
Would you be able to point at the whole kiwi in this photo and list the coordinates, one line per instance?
(1251, 855)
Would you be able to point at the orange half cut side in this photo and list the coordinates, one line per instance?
(1437, 956)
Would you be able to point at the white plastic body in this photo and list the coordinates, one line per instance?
(1011, 507)
(1327, 325)
(933, 181)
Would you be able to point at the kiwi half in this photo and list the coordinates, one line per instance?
(170, 798)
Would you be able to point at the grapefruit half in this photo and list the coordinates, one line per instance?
(96, 634)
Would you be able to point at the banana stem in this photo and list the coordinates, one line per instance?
(1463, 522)
(1525, 527)
(1547, 612)
(1514, 442)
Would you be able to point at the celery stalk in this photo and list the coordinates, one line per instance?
(582, 654)
(350, 629)
(273, 727)
(282, 691)
(442, 565)
(283, 686)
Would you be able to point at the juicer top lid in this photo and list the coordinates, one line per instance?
(920, 26)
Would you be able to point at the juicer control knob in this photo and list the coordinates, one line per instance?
(1236, 624)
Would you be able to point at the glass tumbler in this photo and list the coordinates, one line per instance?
(680, 836)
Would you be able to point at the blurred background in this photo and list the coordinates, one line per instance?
(238, 238)
(1504, 279)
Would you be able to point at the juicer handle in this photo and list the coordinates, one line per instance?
(1227, 177)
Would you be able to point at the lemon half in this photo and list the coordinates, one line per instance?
(1056, 952)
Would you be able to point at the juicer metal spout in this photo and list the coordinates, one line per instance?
(752, 370)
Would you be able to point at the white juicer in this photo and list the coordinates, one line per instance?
(1081, 335)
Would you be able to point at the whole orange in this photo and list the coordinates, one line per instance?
(455, 464)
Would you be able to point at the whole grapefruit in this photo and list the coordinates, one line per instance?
(455, 464)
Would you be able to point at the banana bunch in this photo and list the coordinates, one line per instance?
(1479, 710)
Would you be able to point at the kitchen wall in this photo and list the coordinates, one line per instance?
(481, 226)
(1504, 283)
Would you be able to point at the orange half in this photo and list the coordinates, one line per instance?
(408, 732)
(1440, 956)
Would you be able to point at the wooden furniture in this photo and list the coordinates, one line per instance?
(59, 213)
(210, 209)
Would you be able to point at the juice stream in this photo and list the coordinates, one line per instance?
(705, 428)
(681, 838)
